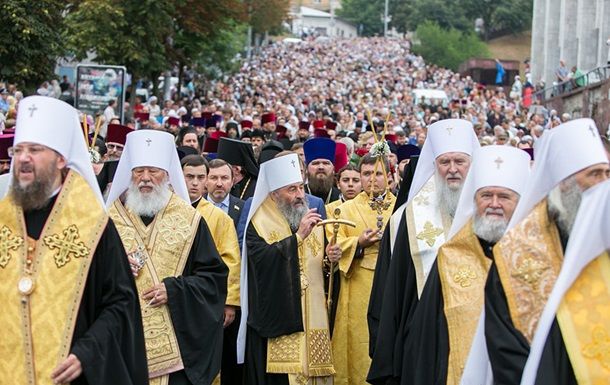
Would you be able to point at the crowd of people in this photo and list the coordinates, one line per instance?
(307, 220)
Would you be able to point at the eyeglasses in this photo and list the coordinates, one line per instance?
(114, 147)
(32, 150)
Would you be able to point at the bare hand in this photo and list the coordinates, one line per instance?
(156, 295)
(333, 252)
(368, 238)
(133, 263)
(310, 219)
(67, 371)
(229, 315)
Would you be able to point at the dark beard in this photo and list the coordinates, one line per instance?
(320, 186)
(36, 195)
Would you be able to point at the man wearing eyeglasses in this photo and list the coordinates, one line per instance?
(64, 275)
(115, 141)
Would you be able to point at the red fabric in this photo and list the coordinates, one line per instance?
(318, 124)
(117, 133)
(341, 159)
(268, 118)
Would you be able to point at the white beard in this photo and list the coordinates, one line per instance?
(447, 197)
(563, 205)
(489, 229)
(148, 204)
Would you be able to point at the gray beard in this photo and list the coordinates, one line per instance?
(293, 214)
(447, 197)
(563, 205)
(147, 205)
(488, 229)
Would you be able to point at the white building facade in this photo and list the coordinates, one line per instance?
(309, 20)
(575, 31)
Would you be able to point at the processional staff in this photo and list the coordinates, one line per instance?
(336, 222)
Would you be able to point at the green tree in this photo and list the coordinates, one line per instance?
(130, 33)
(446, 13)
(150, 36)
(447, 47)
(32, 41)
(367, 15)
(501, 17)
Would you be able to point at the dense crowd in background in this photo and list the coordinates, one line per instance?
(348, 84)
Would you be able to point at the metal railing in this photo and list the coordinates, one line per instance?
(594, 76)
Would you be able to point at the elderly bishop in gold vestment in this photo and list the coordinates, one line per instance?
(180, 277)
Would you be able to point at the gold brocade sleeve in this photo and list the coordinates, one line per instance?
(225, 239)
(347, 238)
(528, 259)
(584, 320)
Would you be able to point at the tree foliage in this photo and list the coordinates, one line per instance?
(500, 16)
(447, 47)
(367, 15)
(266, 15)
(32, 41)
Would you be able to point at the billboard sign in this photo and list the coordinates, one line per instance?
(98, 84)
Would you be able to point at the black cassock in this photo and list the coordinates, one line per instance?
(108, 338)
(426, 349)
(393, 296)
(196, 302)
(245, 188)
(274, 296)
(508, 349)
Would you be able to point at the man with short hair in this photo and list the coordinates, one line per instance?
(445, 320)
(319, 158)
(282, 283)
(196, 169)
(348, 182)
(218, 186)
(179, 274)
(68, 296)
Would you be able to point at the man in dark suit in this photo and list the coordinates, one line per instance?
(218, 185)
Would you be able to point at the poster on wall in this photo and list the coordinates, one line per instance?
(96, 85)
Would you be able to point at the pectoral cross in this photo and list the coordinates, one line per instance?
(66, 246)
(379, 204)
(293, 163)
(148, 141)
(499, 162)
(429, 234)
(8, 242)
(32, 109)
(449, 130)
